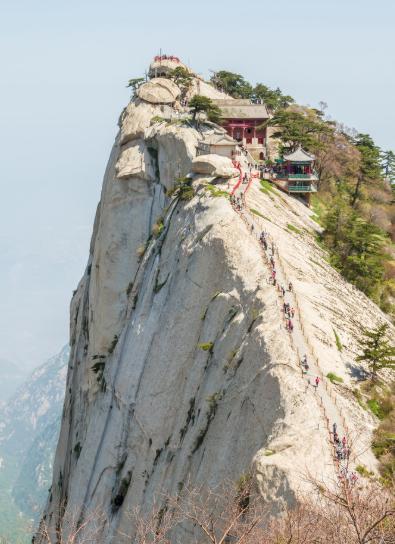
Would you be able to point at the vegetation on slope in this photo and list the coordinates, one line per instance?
(355, 199)
(378, 397)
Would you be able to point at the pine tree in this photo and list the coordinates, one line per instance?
(135, 83)
(370, 170)
(233, 84)
(273, 99)
(204, 104)
(181, 77)
(302, 126)
(388, 165)
(377, 351)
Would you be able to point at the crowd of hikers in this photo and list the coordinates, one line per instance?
(237, 202)
(342, 449)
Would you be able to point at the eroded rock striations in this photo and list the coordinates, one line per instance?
(180, 367)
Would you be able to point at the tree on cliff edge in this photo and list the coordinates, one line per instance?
(203, 104)
(377, 351)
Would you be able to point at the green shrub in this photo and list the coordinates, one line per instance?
(338, 342)
(187, 193)
(292, 228)
(255, 212)
(206, 346)
(157, 119)
(213, 400)
(243, 482)
(318, 209)
(383, 443)
(375, 408)
(266, 186)
(215, 192)
(183, 189)
(157, 228)
(363, 471)
(334, 378)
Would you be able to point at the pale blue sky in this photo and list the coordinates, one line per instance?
(64, 65)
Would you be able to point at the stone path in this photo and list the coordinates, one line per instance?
(300, 342)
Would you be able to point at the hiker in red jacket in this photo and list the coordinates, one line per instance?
(317, 381)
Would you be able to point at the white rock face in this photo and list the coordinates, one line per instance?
(181, 368)
(159, 91)
(214, 166)
(205, 89)
(135, 162)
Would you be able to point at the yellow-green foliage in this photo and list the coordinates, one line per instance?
(255, 212)
(157, 119)
(292, 228)
(215, 192)
(206, 346)
(266, 186)
(363, 471)
(338, 342)
(243, 482)
(380, 400)
(333, 378)
(158, 227)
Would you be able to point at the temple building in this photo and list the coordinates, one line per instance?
(295, 173)
(241, 119)
(220, 144)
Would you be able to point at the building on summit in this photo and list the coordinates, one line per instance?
(242, 118)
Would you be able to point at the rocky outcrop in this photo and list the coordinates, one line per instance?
(159, 91)
(180, 367)
(135, 161)
(199, 86)
(214, 166)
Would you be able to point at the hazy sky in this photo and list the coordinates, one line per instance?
(64, 65)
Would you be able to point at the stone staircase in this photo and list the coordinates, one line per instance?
(299, 339)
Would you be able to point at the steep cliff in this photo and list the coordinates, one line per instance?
(181, 368)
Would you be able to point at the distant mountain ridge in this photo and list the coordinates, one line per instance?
(29, 428)
(11, 376)
(31, 408)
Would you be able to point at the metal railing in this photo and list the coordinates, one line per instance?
(302, 188)
(299, 176)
